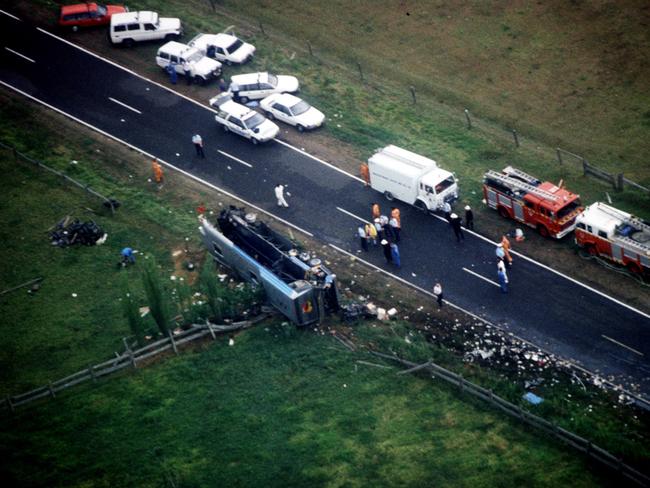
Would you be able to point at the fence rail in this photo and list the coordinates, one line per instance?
(583, 445)
(128, 359)
(110, 203)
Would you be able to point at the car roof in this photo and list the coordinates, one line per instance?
(141, 16)
(249, 78)
(78, 8)
(287, 99)
(219, 40)
(175, 47)
(234, 108)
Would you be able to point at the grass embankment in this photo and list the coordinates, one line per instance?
(279, 408)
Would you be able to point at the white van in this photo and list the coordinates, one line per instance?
(129, 27)
(202, 68)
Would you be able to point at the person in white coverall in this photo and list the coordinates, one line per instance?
(279, 194)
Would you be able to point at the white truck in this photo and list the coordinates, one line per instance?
(406, 176)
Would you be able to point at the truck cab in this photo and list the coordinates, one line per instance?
(436, 187)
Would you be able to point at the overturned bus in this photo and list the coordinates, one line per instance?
(297, 284)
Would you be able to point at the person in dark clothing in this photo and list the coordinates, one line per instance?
(387, 251)
(469, 218)
(454, 221)
(437, 292)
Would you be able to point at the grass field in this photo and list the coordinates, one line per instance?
(279, 408)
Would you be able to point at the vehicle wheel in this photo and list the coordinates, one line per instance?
(633, 267)
(420, 205)
(243, 100)
(127, 42)
(503, 211)
(228, 62)
(543, 231)
(592, 250)
(255, 141)
(389, 196)
(270, 116)
(300, 128)
(226, 129)
(199, 80)
(170, 37)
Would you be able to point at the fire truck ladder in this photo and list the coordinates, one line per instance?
(517, 173)
(631, 220)
(511, 182)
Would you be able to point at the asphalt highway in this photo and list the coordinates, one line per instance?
(543, 307)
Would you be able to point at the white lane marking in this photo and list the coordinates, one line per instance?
(622, 345)
(329, 165)
(352, 215)
(9, 15)
(206, 107)
(487, 322)
(482, 277)
(234, 158)
(124, 105)
(151, 156)
(18, 54)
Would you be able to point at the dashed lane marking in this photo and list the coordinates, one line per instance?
(9, 15)
(351, 215)
(21, 55)
(125, 105)
(234, 158)
(482, 277)
(622, 345)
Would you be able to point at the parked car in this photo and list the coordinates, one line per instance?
(129, 27)
(88, 14)
(242, 120)
(253, 86)
(202, 68)
(224, 47)
(292, 110)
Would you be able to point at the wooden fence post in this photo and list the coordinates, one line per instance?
(516, 137)
(559, 155)
(585, 166)
(619, 182)
(92, 372)
(262, 28)
(311, 53)
(412, 88)
(461, 383)
(132, 356)
(469, 121)
(171, 338)
(214, 337)
(49, 387)
(360, 71)
(10, 403)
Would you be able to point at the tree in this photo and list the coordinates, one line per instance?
(132, 314)
(155, 295)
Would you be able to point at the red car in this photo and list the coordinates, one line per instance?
(88, 14)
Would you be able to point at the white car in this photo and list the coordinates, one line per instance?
(202, 68)
(129, 27)
(292, 110)
(224, 47)
(254, 86)
(242, 120)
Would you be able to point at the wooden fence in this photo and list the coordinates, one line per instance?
(110, 203)
(128, 359)
(584, 446)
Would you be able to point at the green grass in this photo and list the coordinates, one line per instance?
(279, 408)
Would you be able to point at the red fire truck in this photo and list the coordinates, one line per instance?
(616, 235)
(550, 209)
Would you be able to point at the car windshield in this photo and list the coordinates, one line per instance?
(273, 80)
(567, 209)
(234, 46)
(194, 57)
(300, 108)
(444, 184)
(254, 121)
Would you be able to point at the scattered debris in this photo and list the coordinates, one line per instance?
(67, 233)
(34, 286)
(532, 398)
